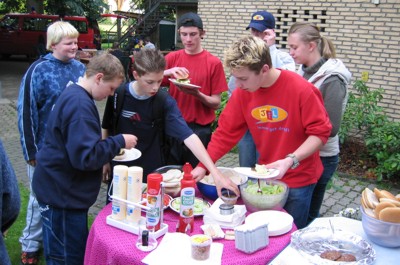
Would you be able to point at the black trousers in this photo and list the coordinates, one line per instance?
(180, 154)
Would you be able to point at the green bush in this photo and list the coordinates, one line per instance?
(224, 100)
(383, 143)
(365, 119)
(362, 112)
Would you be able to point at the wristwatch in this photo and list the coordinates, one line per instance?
(296, 162)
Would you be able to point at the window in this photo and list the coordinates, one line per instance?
(10, 23)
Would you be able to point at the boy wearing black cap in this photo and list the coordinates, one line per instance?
(262, 25)
(203, 69)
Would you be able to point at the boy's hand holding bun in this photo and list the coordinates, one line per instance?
(177, 72)
(130, 140)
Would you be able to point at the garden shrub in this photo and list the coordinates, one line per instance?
(362, 112)
(365, 119)
(383, 143)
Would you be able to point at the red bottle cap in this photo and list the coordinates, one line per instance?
(187, 171)
(154, 181)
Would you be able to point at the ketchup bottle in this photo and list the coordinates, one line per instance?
(154, 201)
(186, 216)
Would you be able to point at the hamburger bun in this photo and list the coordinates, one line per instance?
(184, 79)
(370, 198)
(370, 212)
(381, 206)
(395, 202)
(387, 194)
(121, 155)
(378, 193)
(390, 214)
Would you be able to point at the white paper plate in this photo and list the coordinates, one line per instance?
(253, 174)
(175, 82)
(175, 205)
(130, 155)
(279, 222)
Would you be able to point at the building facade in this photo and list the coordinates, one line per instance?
(366, 35)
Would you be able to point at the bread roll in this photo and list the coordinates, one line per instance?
(387, 194)
(390, 214)
(371, 199)
(381, 206)
(378, 193)
(370, 212)
(121, 155)
(395, 202)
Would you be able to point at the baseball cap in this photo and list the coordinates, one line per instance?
(262, 20)
(190, 20)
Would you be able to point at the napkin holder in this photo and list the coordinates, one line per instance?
(250, 238)
(212, 215)
(134, 227)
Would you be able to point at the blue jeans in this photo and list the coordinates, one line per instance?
(64, 235)
(298, 204)
(248, 154)
(330, 164)
(31, 238)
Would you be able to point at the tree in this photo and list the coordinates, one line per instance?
(89, 8)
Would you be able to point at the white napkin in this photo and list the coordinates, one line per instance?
(175, 248)
(213, 215)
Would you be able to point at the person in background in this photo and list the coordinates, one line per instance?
(203, 69)
(140, 44)
(148, 43)
(136, 117)
(67, 177)
(41, 47)
(116, 51)
(319, 66)
(285, 115)
(262, 25)
(10, 201)
(41, 85)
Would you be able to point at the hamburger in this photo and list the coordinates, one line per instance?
(183, 79)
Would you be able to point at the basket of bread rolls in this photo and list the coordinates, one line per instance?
(381, 216)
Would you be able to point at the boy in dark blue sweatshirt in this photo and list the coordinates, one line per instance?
(68, 175)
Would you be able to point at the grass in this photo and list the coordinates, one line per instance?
(13, 234)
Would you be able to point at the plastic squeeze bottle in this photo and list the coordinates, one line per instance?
(154, 201)
(186, 216)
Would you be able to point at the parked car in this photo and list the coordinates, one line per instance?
(23, 33)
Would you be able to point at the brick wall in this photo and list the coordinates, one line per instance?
(366, 36)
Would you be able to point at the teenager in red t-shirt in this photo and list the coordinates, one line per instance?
(205, 70)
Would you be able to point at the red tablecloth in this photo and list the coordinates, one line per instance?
(109, 245)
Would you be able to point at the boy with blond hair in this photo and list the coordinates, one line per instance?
(41, 85)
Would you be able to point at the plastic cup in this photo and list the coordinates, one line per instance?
(228, 196)
(145, 241)
(201, 245)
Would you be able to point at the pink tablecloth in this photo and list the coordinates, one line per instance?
(109, 245)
